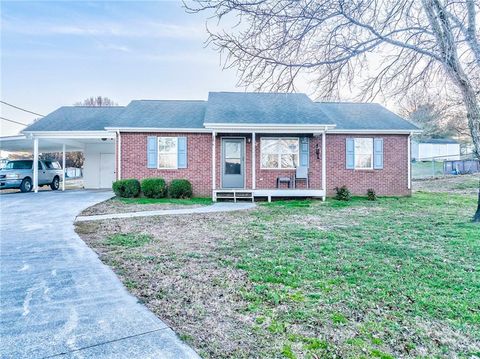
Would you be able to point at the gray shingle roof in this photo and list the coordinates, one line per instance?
(163, 114)
(77, 118)
(363, 116)
(225, 107)
(263, 108)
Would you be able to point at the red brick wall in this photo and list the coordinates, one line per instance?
(199, 160)
(391, 180)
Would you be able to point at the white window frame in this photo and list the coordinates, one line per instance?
(355, 153)
(169, 153)
(279, 153)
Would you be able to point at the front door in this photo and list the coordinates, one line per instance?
(233, 172)
(107, 169)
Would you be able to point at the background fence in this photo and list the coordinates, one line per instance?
(442, 166)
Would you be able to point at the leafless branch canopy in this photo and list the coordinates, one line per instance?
(378, 45)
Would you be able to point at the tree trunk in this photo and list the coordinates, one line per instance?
(473, 117)
(476, 217)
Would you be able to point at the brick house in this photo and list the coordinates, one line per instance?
(240, 144)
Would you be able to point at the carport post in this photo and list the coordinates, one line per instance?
(35, 165)
(63, 167)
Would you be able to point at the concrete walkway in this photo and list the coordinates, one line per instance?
(57, 298)
(216, 207)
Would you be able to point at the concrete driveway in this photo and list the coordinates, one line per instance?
(57, 298)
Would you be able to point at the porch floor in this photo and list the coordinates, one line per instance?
(251, 194)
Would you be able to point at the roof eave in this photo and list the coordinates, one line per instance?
(157, 129)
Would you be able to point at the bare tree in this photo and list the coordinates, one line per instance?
(438, 117)
(96, 101)
(385, 47)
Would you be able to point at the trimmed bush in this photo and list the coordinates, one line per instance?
(343, 193)
(154, 187)
(371, 195)
(126, 188)
(180, 188)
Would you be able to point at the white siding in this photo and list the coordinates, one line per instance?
(91, 167)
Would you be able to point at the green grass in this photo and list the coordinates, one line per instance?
(396, 277)
(129, 240)
(471, 184)
(187, 201)
(381, 267)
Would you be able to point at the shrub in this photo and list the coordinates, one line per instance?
(126, 188)
(343, 194)
(154, 187)
(180, 188)
(371, 195)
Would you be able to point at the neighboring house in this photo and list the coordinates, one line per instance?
(435, 149)
(236, 144)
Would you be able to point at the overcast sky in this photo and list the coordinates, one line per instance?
(60, 52)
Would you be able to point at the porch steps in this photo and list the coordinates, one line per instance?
(234, 195)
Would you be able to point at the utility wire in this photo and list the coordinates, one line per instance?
(21, 109)
(20, 123)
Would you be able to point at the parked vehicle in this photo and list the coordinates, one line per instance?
(19, 174)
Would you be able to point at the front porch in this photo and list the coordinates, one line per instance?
(264, 164)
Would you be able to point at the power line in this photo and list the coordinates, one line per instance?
(21, 109)
(20, 123)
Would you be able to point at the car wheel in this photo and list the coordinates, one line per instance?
(26, 185)
(55, 184)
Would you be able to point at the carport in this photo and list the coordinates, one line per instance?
(98, 148)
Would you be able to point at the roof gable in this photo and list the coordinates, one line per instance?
(263, 108)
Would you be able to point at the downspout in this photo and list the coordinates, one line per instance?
(119, 156)
(409, 165)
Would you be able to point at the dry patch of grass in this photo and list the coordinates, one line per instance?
(461, 184)
(124, 205)
(303, 279)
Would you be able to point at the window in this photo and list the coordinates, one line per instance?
(19, 165)
(363, 153)
(279, 153)
(52, 165)
(167, 152)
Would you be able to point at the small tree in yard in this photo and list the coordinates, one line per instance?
(389, 46)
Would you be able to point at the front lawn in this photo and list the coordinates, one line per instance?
(399, 277)
(122, 205)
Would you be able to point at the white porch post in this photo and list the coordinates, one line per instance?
(324, 166)
(35, 165)
(63, 166)
(214, 169)
(254, 162)
(119, 155)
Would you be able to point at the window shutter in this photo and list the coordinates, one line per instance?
(152, 149)
(350, 153)
(378, 153)
(182, 152)
(304, 152)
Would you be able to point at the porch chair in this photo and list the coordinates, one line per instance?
(301, 173)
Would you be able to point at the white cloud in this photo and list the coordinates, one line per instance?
(145, 29)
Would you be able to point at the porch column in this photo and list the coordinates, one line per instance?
(63, 166)
(119, 155)
(254, 162)
(214, 154)
(35, 165)
(324, 166)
